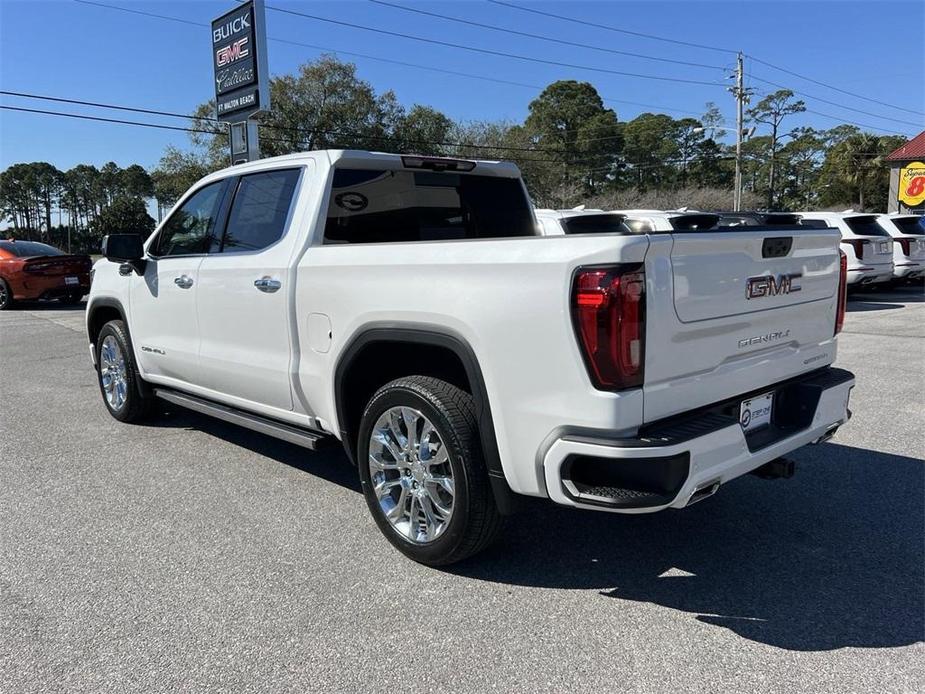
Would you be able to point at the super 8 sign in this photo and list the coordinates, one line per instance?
(912, 184)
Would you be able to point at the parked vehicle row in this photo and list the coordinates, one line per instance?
(409, 307)
(879, 248)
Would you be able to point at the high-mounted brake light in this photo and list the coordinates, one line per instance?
(437, 163)
(608, 309)
(842, 291)
(857, 245)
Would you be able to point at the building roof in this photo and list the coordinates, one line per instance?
(913, 149)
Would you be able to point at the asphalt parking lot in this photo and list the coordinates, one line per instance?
(189, 555)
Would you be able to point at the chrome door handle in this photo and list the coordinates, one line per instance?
(267, 284)
(183, 281)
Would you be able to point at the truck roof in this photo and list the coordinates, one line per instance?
(362, 159)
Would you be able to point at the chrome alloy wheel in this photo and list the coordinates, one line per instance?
(112, 373)
(409, 467)
(4, 295)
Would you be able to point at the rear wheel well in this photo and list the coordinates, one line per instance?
(379, 362)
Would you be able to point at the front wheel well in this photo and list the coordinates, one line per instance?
(100, 316)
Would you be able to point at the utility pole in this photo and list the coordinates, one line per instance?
(739, 93)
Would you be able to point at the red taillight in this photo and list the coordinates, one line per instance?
(905, 244)
(36, 267)
(608, 307)
(842, 291)
(857, 245)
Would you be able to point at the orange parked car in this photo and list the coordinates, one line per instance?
(32, 270)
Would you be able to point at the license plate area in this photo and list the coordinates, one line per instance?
(755, 413)
(71, 281)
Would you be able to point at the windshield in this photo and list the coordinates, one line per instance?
(375, 206)
(913, 226)
(865, 226)
(595, 224)
(29, 249)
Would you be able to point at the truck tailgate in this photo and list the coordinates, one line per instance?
(731, 312)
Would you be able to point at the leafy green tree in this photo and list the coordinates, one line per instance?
(569, 123)
(771, 111)
(176, 172)
(855, 171)
(420, 130)
(125, 215)
(650, 148)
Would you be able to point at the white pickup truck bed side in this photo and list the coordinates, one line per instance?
(305, 330)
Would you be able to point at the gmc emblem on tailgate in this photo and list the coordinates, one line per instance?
(768, 285)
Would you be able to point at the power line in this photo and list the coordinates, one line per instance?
(597, 25)
(841, 119)
(488, 51)
(356, 136)
(832, 87)
(391, 61)
(833, 103)
(543, 37)
(696, 45)
(283, 128)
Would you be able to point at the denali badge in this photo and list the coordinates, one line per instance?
(768, 285)
(768, 337)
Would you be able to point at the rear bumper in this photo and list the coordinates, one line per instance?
(49, 287)
(909, 269)
(870, 275)
(670, 464)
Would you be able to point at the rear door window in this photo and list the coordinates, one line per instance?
(260, 210)
(865, 226)
(375, 206)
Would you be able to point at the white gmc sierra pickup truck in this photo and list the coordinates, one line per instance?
(408, 307)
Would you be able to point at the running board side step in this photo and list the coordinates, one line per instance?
(307, 438)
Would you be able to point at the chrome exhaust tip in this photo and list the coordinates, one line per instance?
(702, 492)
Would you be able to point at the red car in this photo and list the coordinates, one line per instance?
(32, 270)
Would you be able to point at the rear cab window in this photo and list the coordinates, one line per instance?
(382, 206)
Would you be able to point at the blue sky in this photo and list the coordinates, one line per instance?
(74, 50)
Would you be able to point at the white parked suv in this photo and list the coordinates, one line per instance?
(646, 221)
(868, 246)
(908, 232)
(407, 307)
(579, 221)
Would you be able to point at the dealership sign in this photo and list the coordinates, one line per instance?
(239, 59)
(912, 184)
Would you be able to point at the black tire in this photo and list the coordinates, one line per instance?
(6, 295)
(139, 400)
(475, 521)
